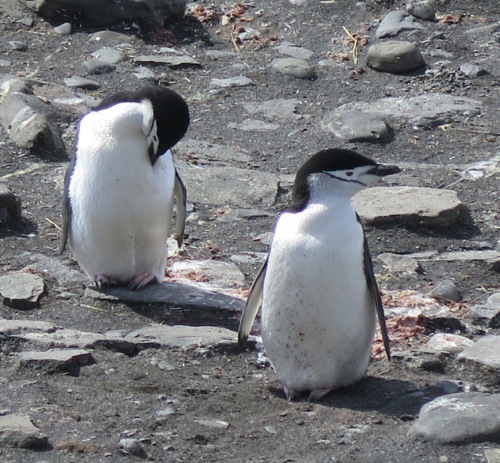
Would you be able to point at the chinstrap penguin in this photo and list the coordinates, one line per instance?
(121, 184)
(317, 289)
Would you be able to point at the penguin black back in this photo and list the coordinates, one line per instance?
(170, 111)
(324, 161)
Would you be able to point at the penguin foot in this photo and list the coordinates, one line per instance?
(102, 280)
(317, 394)
(141, 280)
(290, 393)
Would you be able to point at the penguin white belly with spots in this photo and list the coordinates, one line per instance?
(317, 288)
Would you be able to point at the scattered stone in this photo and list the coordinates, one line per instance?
(173, 61)
(10, 207)
(422, 9)
(133, 447)
(356, 126)
(446, 291)
(445, 387)
(218, 424)
(18, 431)
(16, 45)
(181, 336)
(217, 275)
(289, 49)
(272, 110)
(461, 418)
(401, 264)
(238, 81)
(293, 67)
(63, 29)
(472, 70)
(429, 110)
(487, 314)
(229, 186)
(142, 72)
(81, 82)
(109, 55)
(52, 267)
(56, 360)
(204, 152)
(104, 13)
(167, 411)
(21, 290)
(97, 67)
(396, 22)
(409, 205)
(448, 343)
(110, 38)
(492, 455)
(396, 57)
(484, 354)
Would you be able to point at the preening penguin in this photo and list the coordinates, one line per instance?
(121, 184)
(317, 289)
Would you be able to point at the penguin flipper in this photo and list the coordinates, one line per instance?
(373, 287)
(252, 305)
(66, 207)
(180, 205)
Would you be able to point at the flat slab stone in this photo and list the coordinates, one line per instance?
(109, 55)
(242, 188)
(396, 22)
(460, 419)
(237, 81)
(448, 342)
(54, 268)
(173, 294)
(211, 153)
(56, 360)
(271, 110)
(21, 290)
(429, 110)
(353, 126)
(408, 205)
(182, 336)
(19, 431)
(12, 327)
(173, 61)
(216, 274)
(81, 82)
(484, 352)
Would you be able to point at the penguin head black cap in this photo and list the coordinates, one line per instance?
(331, 160)
(170, 110)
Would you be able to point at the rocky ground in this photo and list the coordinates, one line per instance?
(92, 376)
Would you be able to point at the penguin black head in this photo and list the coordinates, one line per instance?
(340, 165)
(170, 111)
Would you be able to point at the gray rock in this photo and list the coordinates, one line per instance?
(181, 336)
(429, 110)
(220, 54)
(445, 290)
(10, 207)
(56, 360)
(272, 110)
(63, 29)
(250, 125)
(21, 290)
(489, 257)
(205, 152)
(110, 38)
(489, 29)
(238, 81)
(133, 447)
(460, 419)
(229, 186)
(16, 45)
(172, 294)
(16, 327)
(97, 67)
(173, 61)
(293, 67)
(492, 455)
(472, 70)
(52, 267)
(81, 82)
(142, 72)
(103, 13)
(422, 9)
(396, 22)
(484, 353)
(356, 126)
(19, 431)
(109, 55)
(395, 57)
(448, 343)
(209, 274)
(289, 49)
(400, 263)
(408, 205)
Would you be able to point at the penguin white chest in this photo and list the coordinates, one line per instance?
(318, 316)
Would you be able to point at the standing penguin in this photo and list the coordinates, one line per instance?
(121, 184)
(317, 288)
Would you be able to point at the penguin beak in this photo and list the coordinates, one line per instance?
(381, 170)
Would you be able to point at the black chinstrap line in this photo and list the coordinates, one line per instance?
(343, 179)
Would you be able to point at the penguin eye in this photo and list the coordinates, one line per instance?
(349, 173)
